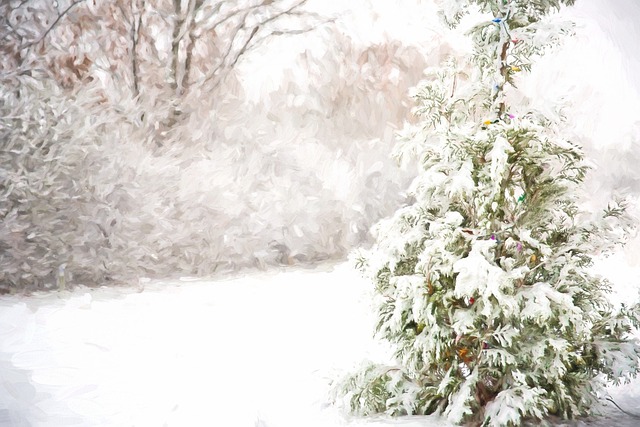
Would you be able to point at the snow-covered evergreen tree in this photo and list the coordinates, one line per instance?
(482, 285)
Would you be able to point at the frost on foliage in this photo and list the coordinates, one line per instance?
(189, 176)
(482, 284)
(512, 406)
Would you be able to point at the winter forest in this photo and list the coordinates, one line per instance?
(302, 212)
(164, 138)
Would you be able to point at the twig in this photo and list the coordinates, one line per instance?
(236, 31)
(244, 46)
(453, 86)
(221, 21)
(277, 33)
(136, 22)
(631, 414)
(53, 25)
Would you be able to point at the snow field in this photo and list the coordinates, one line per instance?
(234, 352)
(256, 350)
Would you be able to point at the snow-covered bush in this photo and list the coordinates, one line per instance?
(482, 284)
(108, 173)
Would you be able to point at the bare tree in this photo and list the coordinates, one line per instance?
(175, 47)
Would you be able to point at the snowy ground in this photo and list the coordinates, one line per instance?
(256, 351)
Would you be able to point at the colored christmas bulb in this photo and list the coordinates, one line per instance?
(493, 237)
(496, 20)
(487, 122)
(471, 301)
(516, 69)
(485, 345)
(521, 198)
(519, 247)
(533, 258)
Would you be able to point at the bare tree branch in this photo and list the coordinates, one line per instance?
(175, 45)
(136, 22)
(244, 46)
(284, 33)
(288, 11)
(187, 23)
(230, 59)
(227, 17)
(236, 31)
(54, 24)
